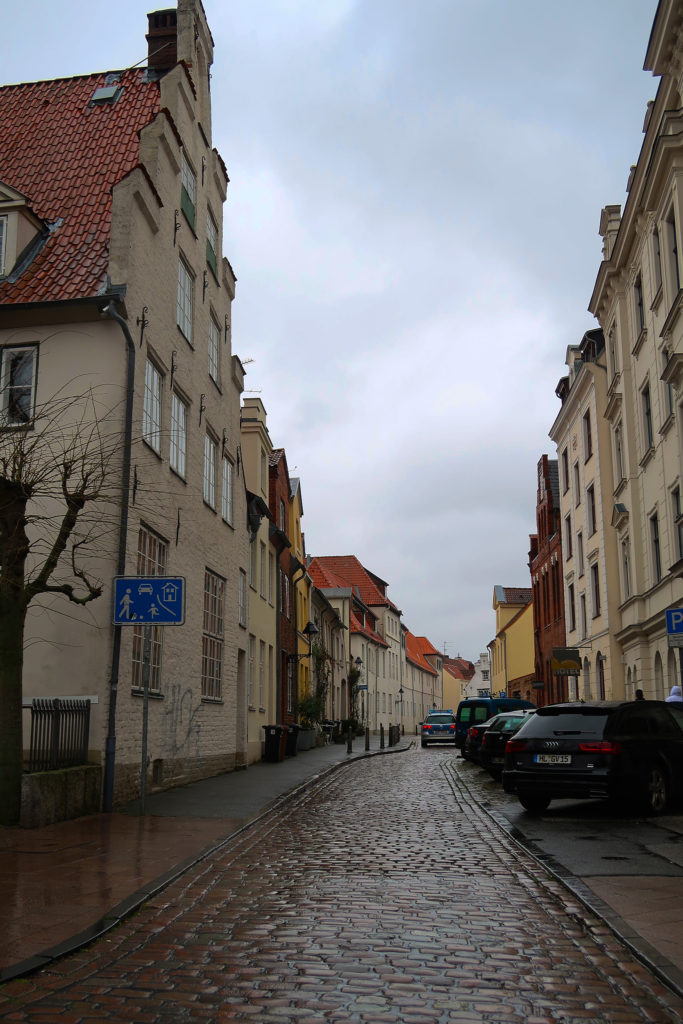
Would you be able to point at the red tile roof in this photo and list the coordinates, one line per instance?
(65, 156)
(323, 577)
(459, 668)
(425, 645)
(415, 655)
(354, 574)
(356, 626)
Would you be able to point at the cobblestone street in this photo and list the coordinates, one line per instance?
(379, 895)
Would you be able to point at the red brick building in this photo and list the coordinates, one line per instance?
(279, 495)
(545, 563)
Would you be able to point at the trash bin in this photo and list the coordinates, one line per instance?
(291, 738)
(272, 750)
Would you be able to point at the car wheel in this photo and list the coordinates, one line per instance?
(656, 795)
(424, 744)
(533, 802)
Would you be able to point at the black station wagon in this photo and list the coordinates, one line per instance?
(630, 751)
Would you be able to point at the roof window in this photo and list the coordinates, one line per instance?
(106, 94)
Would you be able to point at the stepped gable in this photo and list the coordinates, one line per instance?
(65, 154)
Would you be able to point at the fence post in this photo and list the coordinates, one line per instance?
(54, 733)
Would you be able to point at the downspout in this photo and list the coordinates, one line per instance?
(110, 750)
(300, 569)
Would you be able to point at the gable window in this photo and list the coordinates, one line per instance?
(214, 349)
(210, 458)
(151, 561)
(647, 417)
(587, 437)
(226, 498)
(185, 306)
(151, 407)
(178, 445)
(656, 552)
(17, 384)
(212, 243)
(592, 519)
(212, 635)
(188, 191)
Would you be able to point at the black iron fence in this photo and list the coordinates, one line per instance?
(60, 732)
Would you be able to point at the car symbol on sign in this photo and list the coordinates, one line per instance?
(145, 588)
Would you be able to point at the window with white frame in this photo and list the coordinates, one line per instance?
(188, 191)
(212, 242)
(590, 504)
(626, 567)
(151, 561)
(647, 417)
(587, 436)
(226, 497)
(18, 368)
(242, 599)
(214, 350)
(618, 453)
(210, 457)
(151, 407)
(595, 590)
(212, 635)
(185, 305)
(3, 243)
(656, 550)
(677, 521)
(251, 670)
(178, 443)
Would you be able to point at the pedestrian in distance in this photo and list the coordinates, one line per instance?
(675, 696)
(640, 695)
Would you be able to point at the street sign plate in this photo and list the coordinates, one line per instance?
(362, 686)
(149, 600)
(674, 626)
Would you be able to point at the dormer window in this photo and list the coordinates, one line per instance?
(20, 230)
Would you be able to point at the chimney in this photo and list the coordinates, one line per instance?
(162, 40)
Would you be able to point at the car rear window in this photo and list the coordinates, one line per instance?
(512, 724)
(482, 712)
(441, 719)
(565, 723)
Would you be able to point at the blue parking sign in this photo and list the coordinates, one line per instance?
(674, 626)
(149, 600)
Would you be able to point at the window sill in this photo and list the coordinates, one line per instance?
(207, 504)
(588, 458)
(667, 424)
(138, 691)
(620, 486)
(152, 449)
(646, 457)
(640, 341)
(182, 332)
(657, 299)
(178, 475)
(212, 700)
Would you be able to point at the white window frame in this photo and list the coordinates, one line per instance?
(212, 636)
(227, 491)
(151, 406)
(152, 559)
(9, 389)
(185, 304)
(209, 477)
(214, 347)
(177, 455)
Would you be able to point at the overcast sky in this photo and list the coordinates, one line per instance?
(416, 188)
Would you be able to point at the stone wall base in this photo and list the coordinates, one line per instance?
(47, 797)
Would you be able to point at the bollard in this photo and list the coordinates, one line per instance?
(381, 737)
(367, 737)
(349, 741)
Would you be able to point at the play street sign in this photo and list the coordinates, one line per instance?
(149, 600)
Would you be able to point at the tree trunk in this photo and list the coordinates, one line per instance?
(12, 620)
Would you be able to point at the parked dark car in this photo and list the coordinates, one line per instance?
(628, 751)
(438, 727)
(473, 740)
(500, 729)
(475, 710)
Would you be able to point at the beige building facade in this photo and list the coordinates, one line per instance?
(134, 341)
(638, 301)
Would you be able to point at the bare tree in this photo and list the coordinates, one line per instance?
(54, 467)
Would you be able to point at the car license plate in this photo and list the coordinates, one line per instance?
(552, 759)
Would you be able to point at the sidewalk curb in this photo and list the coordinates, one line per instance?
(128, 906)
(668, 973)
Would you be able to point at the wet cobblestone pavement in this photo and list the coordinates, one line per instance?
(380, 895)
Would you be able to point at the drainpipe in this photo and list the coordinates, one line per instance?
(110, 750)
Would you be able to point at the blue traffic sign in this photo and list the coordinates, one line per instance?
(674, 626)
(149, 600)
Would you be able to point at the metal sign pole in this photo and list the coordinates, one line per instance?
(146, 657)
